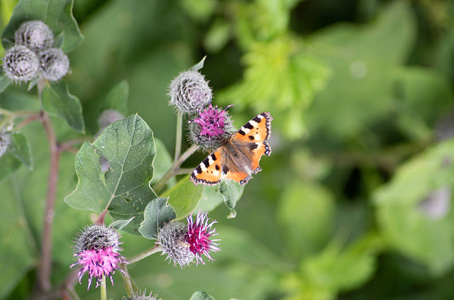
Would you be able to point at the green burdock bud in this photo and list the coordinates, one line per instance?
(35, 35)
(20, 64)
(189, 92)
(54, 64)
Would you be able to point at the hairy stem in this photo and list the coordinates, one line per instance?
(179, 136)
(144, 254)
(126, 280)
(103, 288)
(174, 169)
(44, 270)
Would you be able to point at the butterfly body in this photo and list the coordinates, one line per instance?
(239, 156)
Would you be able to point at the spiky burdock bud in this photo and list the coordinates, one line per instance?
(172, 240)
(96, 249)
(189, 92)
(20, 64)
(211, 129)
(54, 64)
(35, 35)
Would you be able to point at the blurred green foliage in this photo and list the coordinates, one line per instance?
(355, 200)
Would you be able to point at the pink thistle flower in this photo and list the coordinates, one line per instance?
(212, 120)
(211, 129)
(97, 253)
(198, 237)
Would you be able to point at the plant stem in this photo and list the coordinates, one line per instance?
(126, 280)
(44, 270)
(144, 254)
(179, 136)
(103, 288)
(173, 170)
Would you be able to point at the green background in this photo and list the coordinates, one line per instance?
(361, 93)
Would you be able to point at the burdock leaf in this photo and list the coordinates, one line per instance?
(201, 295)
(231, 191)
(121, 182)
(157, 213)
(21, 150)
(120, 224)
(184, 197)
(57, 101)
(5, 81)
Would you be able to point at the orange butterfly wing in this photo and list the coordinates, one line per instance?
(258, 129)
(208, 172)
(250, 139)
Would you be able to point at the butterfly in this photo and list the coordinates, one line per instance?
(239, 157)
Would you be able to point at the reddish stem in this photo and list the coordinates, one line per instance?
(44, 271)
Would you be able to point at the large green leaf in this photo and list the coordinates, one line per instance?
(184, 196)
(406, 213)
(128, 150)
(57, 101)
(362, 60)
(57, 14)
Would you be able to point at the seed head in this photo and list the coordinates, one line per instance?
(20, 64)
(54, 64)
(35, 35)
(189, 92)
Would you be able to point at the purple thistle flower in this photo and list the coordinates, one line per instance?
(212, 120)
(97, 253)
(198, 237)
(211, 129)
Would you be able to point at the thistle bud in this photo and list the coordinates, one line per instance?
(35, 35)
(189, 92)
(20, 64)
(54, 64)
